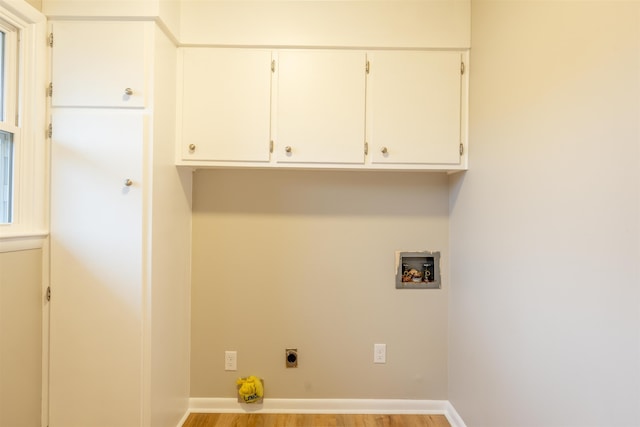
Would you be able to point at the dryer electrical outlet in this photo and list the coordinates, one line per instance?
(291, 357)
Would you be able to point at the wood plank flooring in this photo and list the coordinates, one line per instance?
(314, 420)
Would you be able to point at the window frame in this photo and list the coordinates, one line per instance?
(28, 228)
(9, 79)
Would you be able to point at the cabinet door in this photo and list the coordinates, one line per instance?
(98, 64)
(414, 101)
(96, 268)
(226, 104)
(320, 106)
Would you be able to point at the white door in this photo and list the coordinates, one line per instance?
(98, 64)
(226, 104)
(96, 268)
(414, 107)
(320, 106)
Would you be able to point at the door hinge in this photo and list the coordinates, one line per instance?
(461, 149)
(50, 130)
(50, 90)
(366, 148)
(48, 295)
(271, 146)
(273, 65)
(50, 40)
(367, 67)
(461, 68)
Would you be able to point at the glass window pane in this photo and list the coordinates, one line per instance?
(6, 177)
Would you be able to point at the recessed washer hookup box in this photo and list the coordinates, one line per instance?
(418, 270)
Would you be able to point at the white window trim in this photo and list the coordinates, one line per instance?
(30, 224)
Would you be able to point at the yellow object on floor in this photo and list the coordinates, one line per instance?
(250, 389)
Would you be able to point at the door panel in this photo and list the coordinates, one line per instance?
(96, 273)
(320, 107)
(94, 63)
(226, 104)
(414, 107)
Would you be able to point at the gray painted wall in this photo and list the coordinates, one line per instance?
(306, 259)
(545, 236)
(21, 338)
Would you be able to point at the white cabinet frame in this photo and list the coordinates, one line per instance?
(297, 141)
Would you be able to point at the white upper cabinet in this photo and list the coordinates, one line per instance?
(414, 107)
(113, 64)
(326, 110)
(320, 106)
(226, 99)
(323, 108)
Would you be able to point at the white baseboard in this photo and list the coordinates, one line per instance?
(453, 417)
(184, 418)
(328, 406)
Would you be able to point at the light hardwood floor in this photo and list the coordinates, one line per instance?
(314, 420)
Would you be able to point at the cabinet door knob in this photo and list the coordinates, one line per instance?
(128, 182)
(287, 149)
(192, 147)
(384, 150)
(128, 91)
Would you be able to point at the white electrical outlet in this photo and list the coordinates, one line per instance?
(379, 353)
(230, 360)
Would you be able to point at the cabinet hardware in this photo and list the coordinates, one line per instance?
(384, 150)
(128, 182)
(48, 294)
(271, 146)
(50, 90)
(128, 91)
(192, 147)
(50, 40)
(462, 68)
(366, 148)
(461, 149)
(367, 67)
(273, 65)
(50, 130)
(287, 149)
